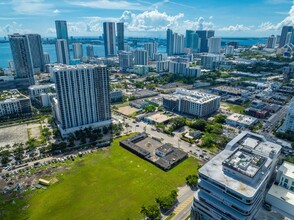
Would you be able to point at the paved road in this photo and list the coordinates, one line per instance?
(275, 119)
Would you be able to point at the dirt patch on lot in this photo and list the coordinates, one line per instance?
(18, 133)
(127, 110)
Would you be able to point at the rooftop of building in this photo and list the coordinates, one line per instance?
(160, 117)
(245, 162)
(193, 96)
(59, 66)
(282, 194)
(144, 146)
(13, 94)
(44, 86)
(287, 169)
(248, 156)
(244, 119)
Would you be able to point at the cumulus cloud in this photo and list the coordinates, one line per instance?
(234, 28)
(150, 21)
(31, 7)
(13, 27)
(268, 26)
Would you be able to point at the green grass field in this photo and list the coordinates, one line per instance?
(110, 184)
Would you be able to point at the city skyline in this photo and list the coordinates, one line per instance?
(147, 19)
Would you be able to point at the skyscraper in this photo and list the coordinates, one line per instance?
(140, 57)
(77, 50)
(82, 97)
(170, 42)
(271, 41)
(46, 58)
(151, 48)
(62, 51)
(214, 44)
(120, 36)
(189, 38)
(61, 29)
(109, 38)
(22, 57)
(195, 43)
(36, 51)
(204, 35)
(284, 34)
(125, 60)
(90, 50)
(178, 43)
(288, 38)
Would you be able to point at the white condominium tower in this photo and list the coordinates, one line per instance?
(232, 185)
(82, 97)
(109, 38)
(151, 48)
(62, 51)
(214, 45)
(77, 50)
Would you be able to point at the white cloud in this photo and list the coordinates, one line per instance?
(13, 27)
(289, 20)
(268, 26)
(32, 7)
(56, 11)
(109, 4)
(234, 28)
(51, 31)
(150, 21)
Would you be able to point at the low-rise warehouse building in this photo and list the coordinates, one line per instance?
(163, 156)
(238, 120)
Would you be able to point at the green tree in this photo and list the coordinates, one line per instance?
(199, 124)
(167, 202)
(192, 180)
(220, 118)
(5, 156)
(151, 212)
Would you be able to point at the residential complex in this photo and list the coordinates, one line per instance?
(109, 38)
(232, 184)
(22, 57)
(77, 49)
(120, 36)
(194, 103)
(62, 51)
(13, 103)
(62, 44)
(83, 98)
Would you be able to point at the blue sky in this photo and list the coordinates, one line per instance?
(229, 18)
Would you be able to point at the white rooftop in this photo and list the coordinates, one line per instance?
(287, 169)
(194, 96)
(244, 119)
(249, 170)
(282, 194)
